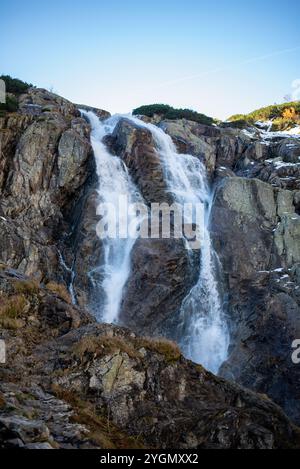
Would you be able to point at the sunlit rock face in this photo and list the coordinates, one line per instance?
(50, 189)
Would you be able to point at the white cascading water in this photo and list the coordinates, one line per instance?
(203, 335)
(114, 181)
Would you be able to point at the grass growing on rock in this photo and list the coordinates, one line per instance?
(102, 431)
(283, 116)
(59, 290)
(11, 310)
(98, 346)
(27, 287)
(103, 345)
(92, 346)
(165, 347)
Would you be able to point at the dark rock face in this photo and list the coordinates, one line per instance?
(48, 197)
(216, 147)
(47, 178)
(255, 228)
(103, 115)
(136, 147)
(66, 377)
(244, 216)
(256, 233)
(162, 270)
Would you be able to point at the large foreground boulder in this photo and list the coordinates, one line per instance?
(70, 383)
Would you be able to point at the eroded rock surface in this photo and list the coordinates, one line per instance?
(71, 383)
(48, 198)
(47, 179)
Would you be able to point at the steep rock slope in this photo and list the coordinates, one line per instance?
(71, 383)
(163, 271)
(255, 225)
(47, 187)
(48, 219)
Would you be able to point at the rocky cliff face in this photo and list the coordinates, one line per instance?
(255, 226)
(72, 383)
(47, 188)
(162, 270)
(48, 197)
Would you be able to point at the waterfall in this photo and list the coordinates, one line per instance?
(71, 273)
(203, 333)
(114, 181)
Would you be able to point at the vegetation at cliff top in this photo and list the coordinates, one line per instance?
(14, 85)
(283, 116)
(11, 105)
(168, 112)
(14, 88)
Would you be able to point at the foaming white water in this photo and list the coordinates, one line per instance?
(203, 333)
(70, 271)
(114, 180)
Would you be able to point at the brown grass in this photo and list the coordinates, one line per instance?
(27, 287)
(103, 433)
(2, 401)
(59, 290)
(165, 347)
(11, 309)
(103, 345)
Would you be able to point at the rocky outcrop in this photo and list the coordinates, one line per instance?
(255, 228)
(47, 181)
(256, 233)
(71, 383)
(48, 196)
(137, 148)
(216, 147)
(163, 271)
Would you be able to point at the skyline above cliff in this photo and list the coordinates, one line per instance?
(118, 56)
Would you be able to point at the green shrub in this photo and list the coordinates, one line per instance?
(151, 109)
(238, 124)
(168, 112)
(14, 85)
(11, 105)
(276, 111)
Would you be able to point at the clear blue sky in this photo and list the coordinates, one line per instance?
(217, 57)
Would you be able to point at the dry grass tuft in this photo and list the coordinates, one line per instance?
(103, 345)
(102, 432)
(165, 347)
(11, 310)
(27, 287)
(59, 290)
(2, 401)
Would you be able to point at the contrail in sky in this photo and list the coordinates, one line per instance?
(230, 67)
(296, 89)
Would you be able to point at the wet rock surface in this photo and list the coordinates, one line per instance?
(48, 198)
(46, 179)
(71, 383)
